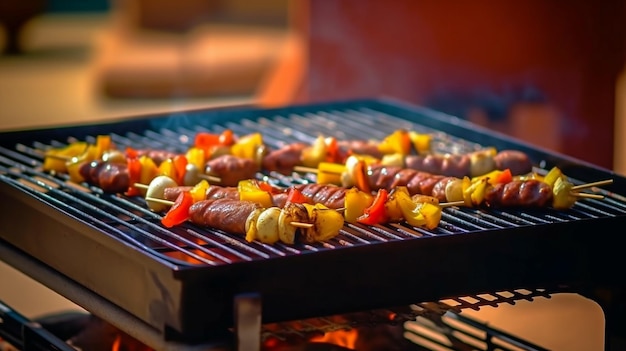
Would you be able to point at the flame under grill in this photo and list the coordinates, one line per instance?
(182, 280)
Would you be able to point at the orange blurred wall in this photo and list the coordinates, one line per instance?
(543, 71)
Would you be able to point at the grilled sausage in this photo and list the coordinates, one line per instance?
(214, 192)
(444, 164)
(359, 147)
(110, 177)
(226, 214)
(231, 169)
(519, 193)
(417, 182)
(284, 160)
(331, 196)
(516, 161)
(471, 164)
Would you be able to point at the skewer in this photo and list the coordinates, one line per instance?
(587, 195)
(575, 191)
(171, 203)
(209, 178)
(451, 203)
(590, 185)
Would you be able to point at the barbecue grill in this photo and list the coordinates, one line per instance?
(191, 286)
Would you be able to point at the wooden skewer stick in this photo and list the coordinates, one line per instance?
(210, 178)
(451, 203)
(587, 195)
(161, 201)
(590, 185)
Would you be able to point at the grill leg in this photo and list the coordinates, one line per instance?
(613, 304)
(248, 322)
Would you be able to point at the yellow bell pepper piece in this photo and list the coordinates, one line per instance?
(552, 176)
(355, 204)
(392, 206)
(330, 173)
(249, 191)
(56, 159)
(478, 191)
(258, 196)
(247, 185)
(73, 170)
(246, 146)
(410, 210)
(492, 177)
(562, 198)
(195, 156)
(103, 144)
(327, 223)
(198, 192)
(314, 154)
(467, 192)
(432, 214)
(149, 170)
(418, 214)
(421, 142)
(397, 142)
(167, 168)
(393, 160)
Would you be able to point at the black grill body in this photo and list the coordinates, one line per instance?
(183, 281)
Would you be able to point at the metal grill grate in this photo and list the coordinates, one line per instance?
(129, 219)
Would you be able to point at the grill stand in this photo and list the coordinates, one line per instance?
(247, 311)
(613, 304)
(97, 305)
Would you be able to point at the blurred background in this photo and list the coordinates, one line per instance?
(550, 73)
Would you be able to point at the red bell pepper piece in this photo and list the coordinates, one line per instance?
(376, 213)
(134, 175)
(179, 212)
(295, 196)
(504, 177)
(180, 167)
(131, 153)
(332, 150)
(360, 174)
(265, 186)
(205, 140)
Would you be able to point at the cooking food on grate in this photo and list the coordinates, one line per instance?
(356, 205)
(290, 157)
(495, 189)
(252, 218)
(111, 176)
(225, 159)
(268, 224)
